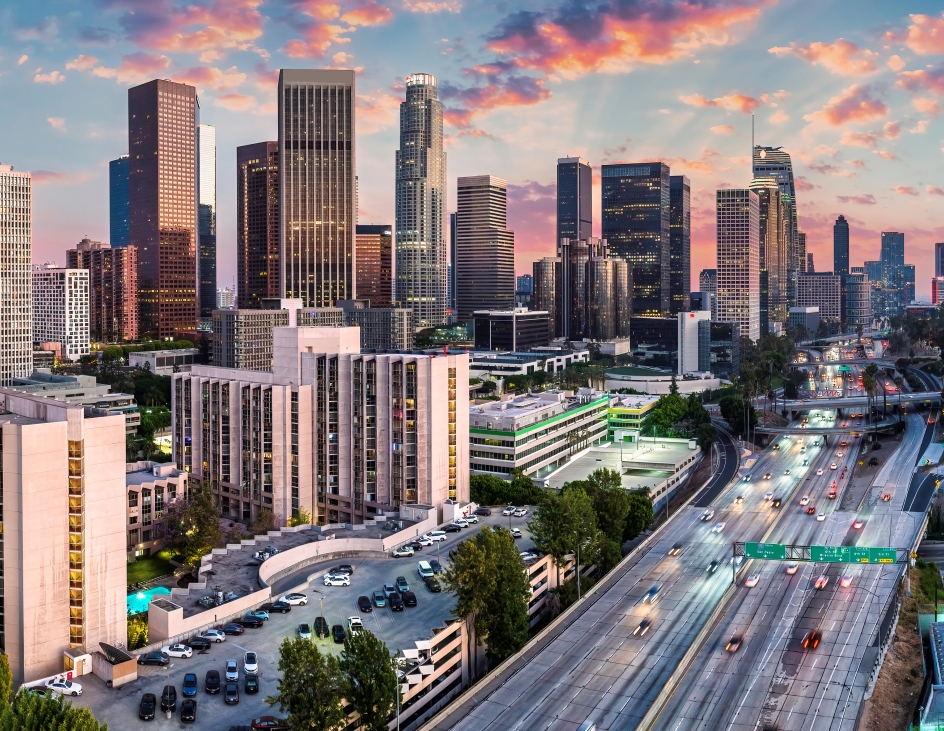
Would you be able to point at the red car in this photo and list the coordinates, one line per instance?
(270, 723)
(811, 510)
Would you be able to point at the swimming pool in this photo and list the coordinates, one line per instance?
(138, 602)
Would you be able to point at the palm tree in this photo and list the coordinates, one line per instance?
(870, 385)
(898, 382)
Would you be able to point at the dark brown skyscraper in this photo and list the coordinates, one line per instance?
(257, 224)
(374, 248)
(162, 193)
(113, 296)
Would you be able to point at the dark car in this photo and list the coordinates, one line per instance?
(231, 694)
(409, 599)
(212, 682)
(321, 627)
(483, 511)
(811, 640)
(282, 607)
(188, 711)
(147, 706)
(363, 604)
(153, 658)
(346, 568)
(169, 698)
(199, 643)
(232, 629)
(776, 502)
(432, 584)
(402, 584)
(435, 566)
(337, 631)
(416, 546)
(269, 723)
(250, 621)
(453, 528)
(395, 602)
(189, 688)
(251, 685)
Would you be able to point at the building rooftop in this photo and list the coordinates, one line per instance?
(642, 464)
(519, 412)
(148, 473)
(634, 401)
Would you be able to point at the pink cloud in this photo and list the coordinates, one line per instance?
(925, 35)
(885, 154)
(863, 200)
(778, 117)
(315, 20)
(895, 63)
(43, 177)
(81, 63)
(802, 184)
(723, 129)
(855, 104)
(532, 215)
(512, 91)
(735, 101)
(235, 102)
(53, 77)
(934, 190)
(926, 106)
(931, 80)
(208, 77)
(857, 163)
(905, 190)
(368, 13)
(376, 112)
(56, 122)
(428, 6)
(134, 68)
(840, 57)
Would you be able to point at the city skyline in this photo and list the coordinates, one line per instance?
(856, 107)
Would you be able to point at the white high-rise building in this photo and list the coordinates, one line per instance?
(61, 309)
(690, 342)
(738, 246)
(16, 310)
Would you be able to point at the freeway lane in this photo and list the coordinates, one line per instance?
(727, 468)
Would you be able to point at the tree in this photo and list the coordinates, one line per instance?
(610, 501)
(112, 353)
(370, 682)
(302, 517)
(263, 523)
(561, 523)
(6, 682)
(470, 579)
(639, 516)
(137, 630)
(310, 688)
(30, 712)
(191, 525)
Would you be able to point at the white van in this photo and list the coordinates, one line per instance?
(424, 569)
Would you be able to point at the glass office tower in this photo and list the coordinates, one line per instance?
(119, 231)
(841, 246)
(206, 219)
(680, 242)
(574, 199)
(773, 162)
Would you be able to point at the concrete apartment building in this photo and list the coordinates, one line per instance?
(738, 274)
(330, 430)
(63, 543)
(61, 309)
(113, 288)
(822, 290)
(150, 486)
(16, 315)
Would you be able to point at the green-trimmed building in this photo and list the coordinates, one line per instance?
(537, 432)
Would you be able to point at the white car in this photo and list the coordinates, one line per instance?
(792, 567)
(214, 635)
(515, 533)
(833, 466)
(821, 517)
(840, 454)
(402, 552)
(472, 518)
(64, 687)
(520, 512)
(751, 581)
(424, 541)
(461, 522)
(718, 528)
(251, 663)
(768, 497)
(355, 625)
(177, 651)
(509, 510)
(819, 472)
(436, 535)
(337, 580)
(805, 500)
(295, 599)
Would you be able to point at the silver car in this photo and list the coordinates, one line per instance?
(232, 670)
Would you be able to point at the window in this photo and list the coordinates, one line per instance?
(132, 499)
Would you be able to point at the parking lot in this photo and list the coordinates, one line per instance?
(399, 630)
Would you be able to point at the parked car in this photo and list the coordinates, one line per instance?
(269, 723)
(389, 590)
(169, 698)
(520, 512)
(515, 533)
(416, 546)
(251, 684)
(402, 584)
(452, 528)
(177, 651)
(294, 599)
(153, 658)
(380, 599)
(232, 629)
(214, 635)
(424, 541)
(199, 643)
(471, 518)
(147, 706)
(344, 568)
(189, 688)
(232, 670)
(338, 633)
(321, 627)
(437, 536)
(364, 605)
(260, 613)
(403, 551)
(395, 602)
(337, 580)
(409, 599)
(435, 566)
(280, 607)
(303, 631)
(188, 711)
(433, 585)
(251, 621)
(211, 683)
(509, 510)
(355, 625)
(250, 663)
(231, 694)
(483, 511)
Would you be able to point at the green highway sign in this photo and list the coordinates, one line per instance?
(843, 369)
(771, 551)
(829, 554)
(852, 554)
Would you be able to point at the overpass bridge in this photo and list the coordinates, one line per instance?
(796, 406)
(771, 432)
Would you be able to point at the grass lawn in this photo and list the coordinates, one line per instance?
(148, 568)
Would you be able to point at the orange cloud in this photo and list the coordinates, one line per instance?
(81, 63)
(854, 104)
(235, 102)
(318, 31)
(53, 77)
(736, 101)
(208, 77)
(376, 112)
(926, 105)
(134, 68)
(56, 122)
(931, 80)
(905, 190)
(367, 14)
(933, 190)
(885, 154)
(41, 177)
(428, 6)
(514, 91)
(723, 129)
(778, 117)
(895, 63)
(925, 35)
(840, 57)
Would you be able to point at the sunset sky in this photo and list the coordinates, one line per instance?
(852, 90)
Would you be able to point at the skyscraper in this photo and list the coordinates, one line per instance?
(420, 204)
(939, 259)
(316, 185)
(206, 219)
(374, 247)
(841, 246)
(162, 211)
(118, 202)
(773, 162)
(893, 273)
(485, 248)
(636, 226)
(738, 246)
(257, 224)
(16, 283)
(804, 257)
(61, 310)
(113, 288)
(773, 252)
(680, 242)
(451, 268)
(574, 199)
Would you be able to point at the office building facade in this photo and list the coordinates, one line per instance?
(702, 301)
(485, 248)
(118, 226)
(61, 309)
(374, 247)
(16, 282)
(225, 298)
(894, 278)
(317, 189)
(738, 268)
(939, 259)
(937, 290)
(162, 185)
(693, 341)
(857, 293)
(654, 341)
(113, 288)
(420, 204)
(382, 328)
(574, 198)
(822, 290)
(258, 267)
(841, 246)
(680, 242)
(773, 254)
(206, 220)
(724, 349)
(636, 219)
(773, 162)
(511, 330)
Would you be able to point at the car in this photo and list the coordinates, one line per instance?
(337, 580)
(776, 502)
(436, 536)
(651, 595)
(232, 671)
(251, 621)
(177, 651)
(642, 627)
(389, 590)
(169, 698)
(395, 602)
(337, 631)
(768, 496)
(337, 571)
(472, 518)
(821, 517)
(840, 454)
(260, 613)
(718, 528)
(416, 546)
(437, 567)
(713, 566)
(409, 599)
(364, 605)
(451, 528)
(344, 568)
(211, 683)
(380, 599)
(846, 581)
(250, 663)
(188, 711)
(251, 684)
(811, 640)
(463, 523)
(708, 515)
(820, 472)
(792, 567)
(676, 549)
(199, 643)
(64, 687)
(269, 723)
(805, 500)
(738, 500)
(483, 511)
(294, 600)
(886, 496)
(434, 586)
(404, 551)
(821, 581)
(231, 694)
(843, 443)
(811, 510)
(509, 510)
(734, 643)
(768, 475)
(355, 625)
(833, 466)
(751, 581)
(786, 472)
(748, 478)
(402, 584)
(189, 687)
(147, 706)
(321, 627)
(232, 628)
(153, 658)
(858, 523)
